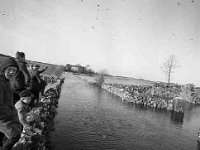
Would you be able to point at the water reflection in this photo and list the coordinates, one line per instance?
(177, 117)
(99, 94)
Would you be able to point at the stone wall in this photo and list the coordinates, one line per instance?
(36, 135)
(157, 97)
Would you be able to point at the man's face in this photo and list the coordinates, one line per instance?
(10, 72)
(22, 58)
(26, 100)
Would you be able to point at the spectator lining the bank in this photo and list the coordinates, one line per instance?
(10, 127)
(43, 83)
(20, 56)
(37, 84)
(23, 106)
(22, 79)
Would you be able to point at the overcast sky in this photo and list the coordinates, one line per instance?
(126, 37)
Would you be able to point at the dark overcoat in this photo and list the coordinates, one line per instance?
(9, 122)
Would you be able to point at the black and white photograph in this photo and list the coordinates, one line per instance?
(99, 75)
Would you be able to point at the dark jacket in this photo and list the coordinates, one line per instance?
(18, 83)
(36, 78)
(23, 69)
(7, 109)
(9, 122)
(22, 78)
(37, 84)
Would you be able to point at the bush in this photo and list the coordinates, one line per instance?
(59, 70)
(100, 80)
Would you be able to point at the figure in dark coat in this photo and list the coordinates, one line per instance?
(9, 122)
(20, 56)
(22, 79)
(37, 84)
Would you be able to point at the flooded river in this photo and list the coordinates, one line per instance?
(92, 119)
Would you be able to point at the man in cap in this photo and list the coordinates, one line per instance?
(37, 84)
(22, 79)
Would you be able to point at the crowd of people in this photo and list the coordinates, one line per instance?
(20, 89)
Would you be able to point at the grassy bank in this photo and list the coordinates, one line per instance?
(147, 93)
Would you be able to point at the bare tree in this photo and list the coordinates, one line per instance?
(101, 77)
(169, 66)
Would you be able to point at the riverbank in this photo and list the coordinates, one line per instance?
(159, 96)
(147, 96)
(40, 118)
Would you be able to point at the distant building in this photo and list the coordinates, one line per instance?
(68, 67)
(79, 69)
(74, 69)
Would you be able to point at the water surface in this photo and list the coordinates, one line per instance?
(92, 119)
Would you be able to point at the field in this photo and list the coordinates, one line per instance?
(117, 79)
(52, 69)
